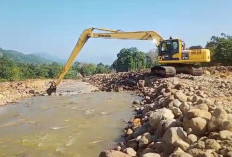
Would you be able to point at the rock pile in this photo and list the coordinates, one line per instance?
(180, 116)
(117, 81)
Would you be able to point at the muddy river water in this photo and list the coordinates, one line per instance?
(79, 125)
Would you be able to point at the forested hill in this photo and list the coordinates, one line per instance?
(19, 57)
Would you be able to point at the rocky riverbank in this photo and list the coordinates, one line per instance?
(179, 117)
(14, 91)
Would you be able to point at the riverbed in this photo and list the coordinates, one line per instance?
(69, 125)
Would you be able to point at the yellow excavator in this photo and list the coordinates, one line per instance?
(172, 55)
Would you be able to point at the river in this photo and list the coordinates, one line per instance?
(71, 125)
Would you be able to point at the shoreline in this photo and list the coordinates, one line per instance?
(11, 92)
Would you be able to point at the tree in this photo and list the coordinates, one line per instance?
(101, 68)
(54, 69)
(88, 69)
(220, 49)
(129, 59)
(223, 52)
(8, 70)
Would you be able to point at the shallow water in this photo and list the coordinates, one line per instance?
(80, 125)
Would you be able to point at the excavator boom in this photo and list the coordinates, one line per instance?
(108, 34)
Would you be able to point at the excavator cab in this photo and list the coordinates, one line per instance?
(168, 49)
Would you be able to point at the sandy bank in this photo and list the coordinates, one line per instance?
(13, 91)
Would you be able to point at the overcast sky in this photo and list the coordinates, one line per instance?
(53, 26)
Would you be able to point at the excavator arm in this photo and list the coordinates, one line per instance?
(107, 34)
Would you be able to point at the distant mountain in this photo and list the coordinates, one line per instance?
(24, 58)
(50, 57)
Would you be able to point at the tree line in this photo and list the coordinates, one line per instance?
(11, 71)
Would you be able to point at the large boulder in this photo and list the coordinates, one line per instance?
(197, 125)
(174, 134)
(193, 113)
(218, 117)
(158, 115)
(113, 153)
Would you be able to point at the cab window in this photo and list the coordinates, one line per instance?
(175, 45)
(164, 46)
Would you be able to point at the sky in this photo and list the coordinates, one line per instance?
(54, 26)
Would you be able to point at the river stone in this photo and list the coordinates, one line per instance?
(193, 113)
(199, 144)
(129, 132)
(174, 103)
(226, 125)
(196, 152)
(166, 124)
(229, 117)
(202, 106)
(130, 151)
(113, 153)
(225, 134)
(198, 125)
(180, 153)
(132, 144)
(191, 138)
(145, 139)
(141, 83)
(158, 115)
(214, 135)
(182, 144)
(174, 134)
(181, 96)
(151, 155)
(136, 122)
(218, 117)
(136, 102)
(212, 144)
(184, 107)
(176, 111)
(159, 147)
(139, 131)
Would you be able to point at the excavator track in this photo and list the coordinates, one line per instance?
(163, 71)
(171, 71)
(189, 69)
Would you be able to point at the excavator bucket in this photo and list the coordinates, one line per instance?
(52, 88)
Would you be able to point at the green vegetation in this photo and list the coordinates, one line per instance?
(10, 71)
(221, 49)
